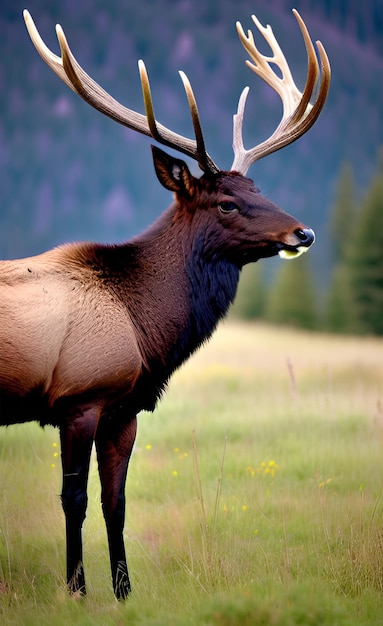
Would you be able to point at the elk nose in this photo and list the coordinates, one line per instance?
(306, 236)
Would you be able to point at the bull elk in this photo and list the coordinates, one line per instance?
(90, 334)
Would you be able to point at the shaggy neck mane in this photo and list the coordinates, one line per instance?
(198, 287)
(187, 291)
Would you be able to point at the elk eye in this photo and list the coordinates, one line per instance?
(228, 206)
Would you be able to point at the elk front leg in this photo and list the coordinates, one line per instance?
(114, 443)
(77, 435)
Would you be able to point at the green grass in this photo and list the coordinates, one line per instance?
(254, 495)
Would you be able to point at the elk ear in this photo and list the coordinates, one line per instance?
(173, 173)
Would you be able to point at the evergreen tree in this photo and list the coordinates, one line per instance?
(292, 298)
(342, 214)
(365, 260)
(340, 313)
(250, 301)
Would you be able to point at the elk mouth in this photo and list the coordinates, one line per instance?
(306, 238)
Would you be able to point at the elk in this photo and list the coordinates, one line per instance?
(90, 334)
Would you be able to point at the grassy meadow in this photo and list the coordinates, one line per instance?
(254, 495)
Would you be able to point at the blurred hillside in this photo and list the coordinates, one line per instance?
(67, 173)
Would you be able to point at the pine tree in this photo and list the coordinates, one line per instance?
(340, 311)
(250, 300)
(365, 260)
(342, 214)
(292, 298)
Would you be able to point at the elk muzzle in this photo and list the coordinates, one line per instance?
(305, 238)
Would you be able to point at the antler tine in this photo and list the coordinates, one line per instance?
(51, 59)
(203, 157)
(298, 114)
(73, 75)
(148, 101)
(204, 160)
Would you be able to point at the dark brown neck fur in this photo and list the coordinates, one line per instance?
(186, 290)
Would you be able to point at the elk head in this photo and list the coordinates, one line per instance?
(298, 116)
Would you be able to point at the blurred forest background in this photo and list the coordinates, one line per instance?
(68, 173)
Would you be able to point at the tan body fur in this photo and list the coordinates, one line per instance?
(54, 325)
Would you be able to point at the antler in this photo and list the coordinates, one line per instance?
(298, 114)
(69, 70)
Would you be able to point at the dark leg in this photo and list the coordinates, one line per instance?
(77, 435)
(114, 442)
